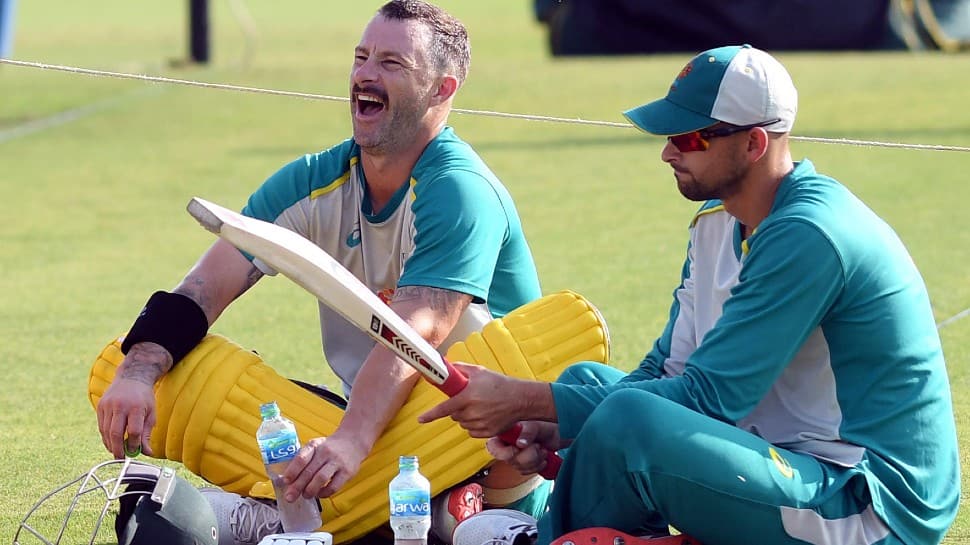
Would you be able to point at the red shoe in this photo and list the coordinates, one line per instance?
(609, 536)
(453, 506)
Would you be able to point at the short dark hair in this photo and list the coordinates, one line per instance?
(450, 48)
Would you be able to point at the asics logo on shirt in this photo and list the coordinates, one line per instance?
(781, 464)
(386, 295)
(353, 239)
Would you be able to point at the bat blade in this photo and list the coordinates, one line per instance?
(316, 271)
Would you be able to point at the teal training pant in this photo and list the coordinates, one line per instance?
(642, 462)
(534, 503)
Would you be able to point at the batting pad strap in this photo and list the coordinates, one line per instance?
(500, 497)
(171, 320)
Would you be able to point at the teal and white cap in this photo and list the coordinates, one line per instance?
(736, 84)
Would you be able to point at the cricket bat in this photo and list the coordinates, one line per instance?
(316, 271)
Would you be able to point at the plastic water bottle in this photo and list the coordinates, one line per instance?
(278, 444)
(410, 499)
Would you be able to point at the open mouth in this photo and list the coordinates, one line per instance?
(369, 104)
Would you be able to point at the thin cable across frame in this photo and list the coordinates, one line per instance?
(527, 117)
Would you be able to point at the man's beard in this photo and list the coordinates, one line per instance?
(397, 132)
(725, 186)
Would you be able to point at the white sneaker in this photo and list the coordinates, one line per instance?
(298, 538)
(242, 521)
(497, 527)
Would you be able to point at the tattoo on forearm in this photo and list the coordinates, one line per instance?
(146, 362)
(254, 275)
(193, 287)
(441, 301)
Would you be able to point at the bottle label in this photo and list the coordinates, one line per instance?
(281, 447)
(410, 503)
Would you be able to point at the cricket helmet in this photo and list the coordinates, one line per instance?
(151, 505)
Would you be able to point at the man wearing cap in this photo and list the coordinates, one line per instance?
(798, 393)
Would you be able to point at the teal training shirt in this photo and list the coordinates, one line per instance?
(823, 284)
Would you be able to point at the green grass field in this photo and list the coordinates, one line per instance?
(95, 174)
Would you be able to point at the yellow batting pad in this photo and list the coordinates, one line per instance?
(539, 339)
(208, 408)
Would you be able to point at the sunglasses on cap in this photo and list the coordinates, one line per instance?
(698, 140)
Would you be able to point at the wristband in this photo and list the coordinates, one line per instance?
(171, 320)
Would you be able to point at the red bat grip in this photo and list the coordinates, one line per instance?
(553, 461)
(457, 381)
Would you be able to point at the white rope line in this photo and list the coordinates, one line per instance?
(962, 314)
(851, 142)
(528, 117)
(67, 116)
(159, 79)
(532, 117)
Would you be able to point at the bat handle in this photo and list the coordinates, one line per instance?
(457, 381)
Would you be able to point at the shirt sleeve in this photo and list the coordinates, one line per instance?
(460, 227)
(284, 197)
(297, 181)
(790, 278)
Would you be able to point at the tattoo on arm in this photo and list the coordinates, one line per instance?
(254, 275)
(146, 362)
(445, 308)
(195, 288)
(442, 302)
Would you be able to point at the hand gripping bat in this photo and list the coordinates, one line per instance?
(319, 273)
